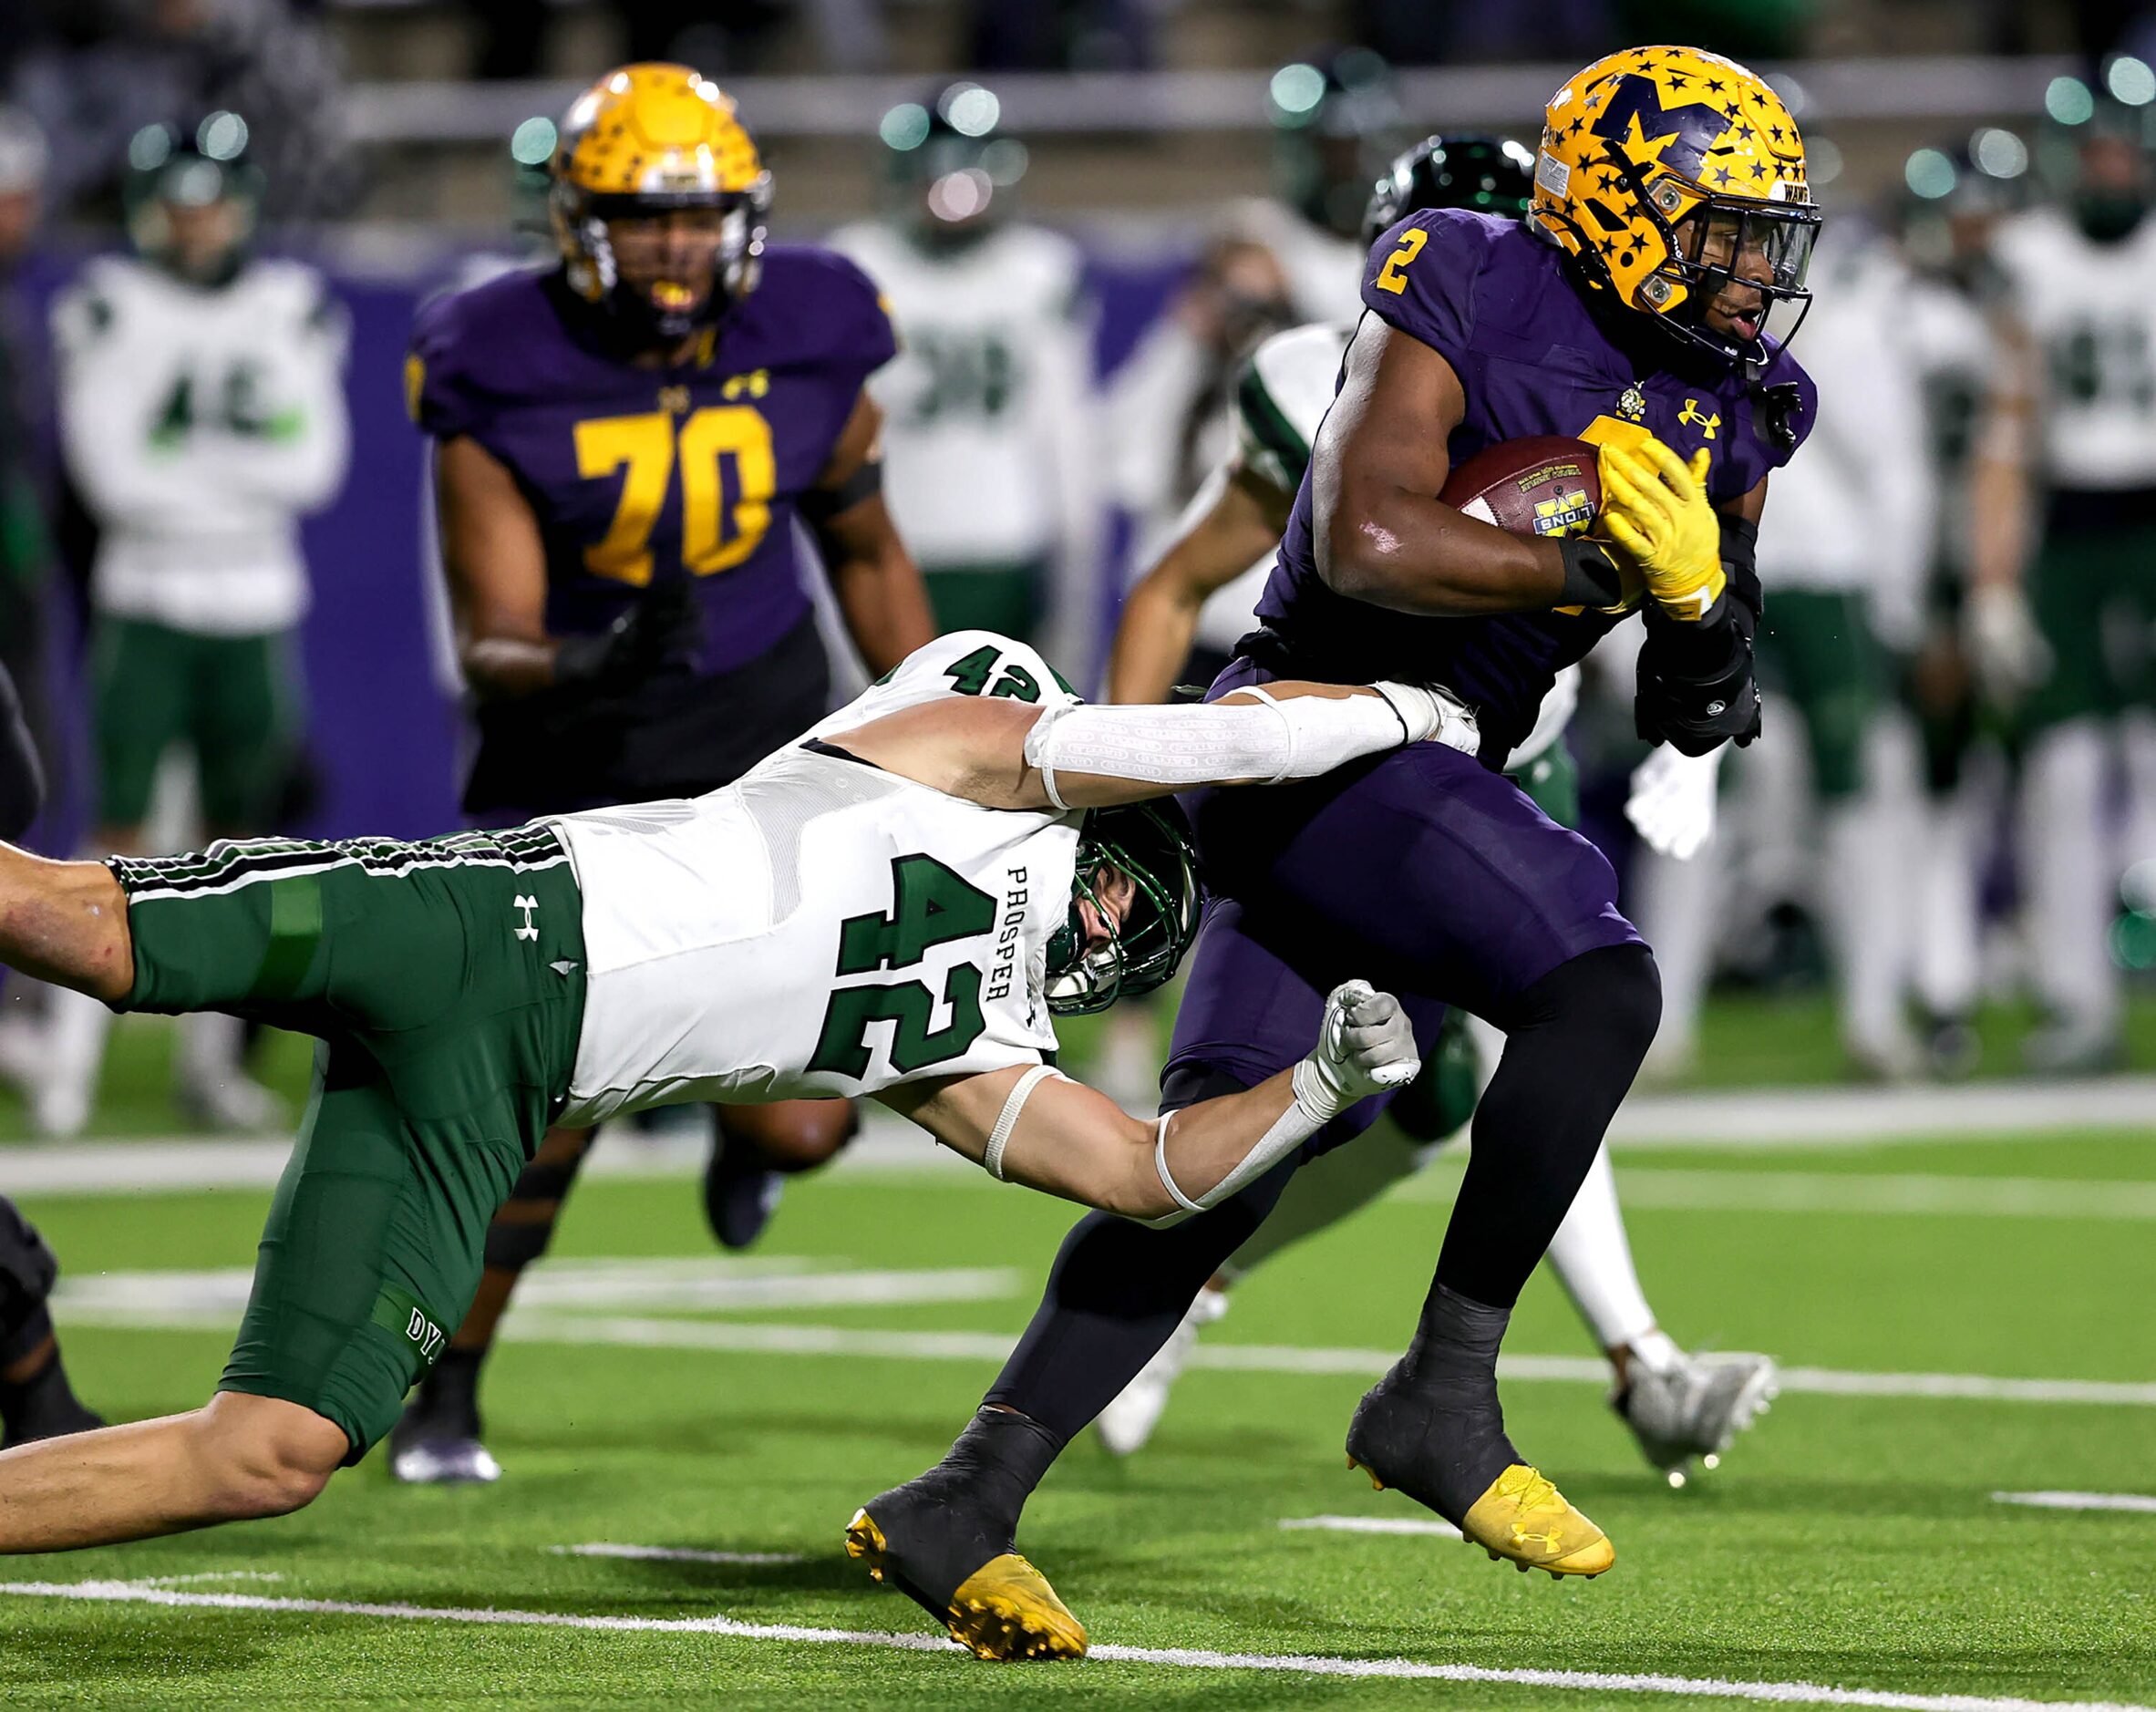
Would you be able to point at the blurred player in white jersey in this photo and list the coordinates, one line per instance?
(989, 459)
(202, 414)
(1294, 257)
(1337, 127)
(2078, 486)
(1971, 652)
(1851, 573)
(1679, 1406)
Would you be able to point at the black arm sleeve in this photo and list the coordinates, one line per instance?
(1740, 551)
(22, 783)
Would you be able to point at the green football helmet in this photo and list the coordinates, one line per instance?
(1150, 842)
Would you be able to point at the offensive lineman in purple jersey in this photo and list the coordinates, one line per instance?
(623, 444)
(1671, 216)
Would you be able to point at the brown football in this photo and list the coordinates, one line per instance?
(1545, 485)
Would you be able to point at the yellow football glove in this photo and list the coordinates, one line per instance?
(1655, 507)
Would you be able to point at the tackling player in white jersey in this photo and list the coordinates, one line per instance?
(202, 414)
(989, 464)
(1678, 1405)
(891, 907)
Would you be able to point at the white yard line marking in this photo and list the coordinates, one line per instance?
(1371, 1524)
(1186, 1658)
(210, 1575)
(845, 1341)
(1719, 1119)
(2079, 1500)
(672, 1553)
(1820, 1192)
(852, 1343)
(707, 1284)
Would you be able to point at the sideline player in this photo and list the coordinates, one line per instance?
(622, 447)
(1677, 1405)
(991, 457)
(2067, 480)
(201, 406)
(965, 843)
(35, 1399)
(1842, 593)
(1671, 218)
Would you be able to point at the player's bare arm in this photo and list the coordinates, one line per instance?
(1034, 1127)
(496, 566)
(1161, 616)
(1380, 535)
(65, 923)
(1008, 755)
(2009, 652)
(875, 579)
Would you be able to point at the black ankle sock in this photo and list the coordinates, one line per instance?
(999, 1458)
(942, 1526)
(1433, 1426)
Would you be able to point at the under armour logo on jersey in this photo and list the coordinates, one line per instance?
(1708, 421)
(528, 906)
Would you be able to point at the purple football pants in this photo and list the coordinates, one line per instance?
(1421, 872)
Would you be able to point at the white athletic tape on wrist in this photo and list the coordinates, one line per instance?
(1306, 1116)
(1007, 1120)
(1268, 740)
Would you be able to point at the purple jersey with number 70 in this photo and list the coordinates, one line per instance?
(641, 476)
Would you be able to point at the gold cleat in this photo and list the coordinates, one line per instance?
(1523, 1518)
(1005, 1610)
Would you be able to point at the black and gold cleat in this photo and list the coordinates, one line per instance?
(1004, 1610)
(1432, 1429)
(1525, 1521)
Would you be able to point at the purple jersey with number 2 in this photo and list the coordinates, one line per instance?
(1503, 307)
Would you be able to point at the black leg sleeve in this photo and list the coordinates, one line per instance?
(1116, 1290)
(1573, 1043)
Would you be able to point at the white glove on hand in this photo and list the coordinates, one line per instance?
(1364, 1046)
(1434, 715)
(2011, 654)
(1672, 804)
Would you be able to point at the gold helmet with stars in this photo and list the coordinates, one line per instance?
(642, 141)
(1674, 178)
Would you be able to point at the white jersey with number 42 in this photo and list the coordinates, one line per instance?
(820, 927)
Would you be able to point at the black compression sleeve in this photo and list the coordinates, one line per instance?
(1740, 548)
(820, 505)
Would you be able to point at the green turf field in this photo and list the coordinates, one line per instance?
(657, 1397)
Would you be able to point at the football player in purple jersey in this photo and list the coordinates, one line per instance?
(623, 444)
(1671, 219)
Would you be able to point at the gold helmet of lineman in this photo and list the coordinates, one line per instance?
(658, 200)
(1675, 179)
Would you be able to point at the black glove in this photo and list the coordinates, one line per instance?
(660, 631)
(1696, 690)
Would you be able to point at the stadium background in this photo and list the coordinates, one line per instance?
(1954, 1280)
